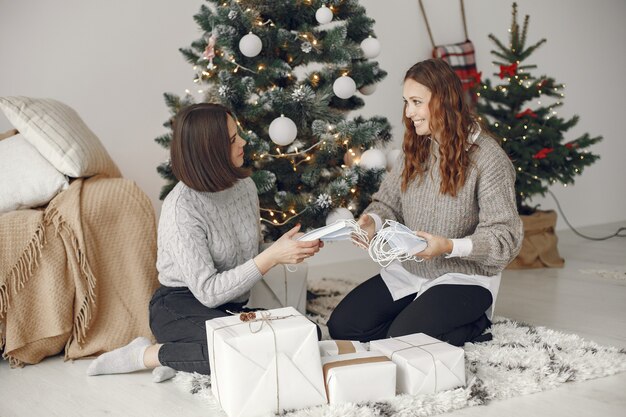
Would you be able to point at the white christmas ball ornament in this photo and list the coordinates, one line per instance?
(324, 15)
(344, 87)
(250, 45)
(340, 213)
(366, 90)
(393, 158)
(283, 131)
(370, 47)
(373, 159)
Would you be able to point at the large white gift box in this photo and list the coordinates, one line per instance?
(339, 347)
(281, 287)
(425, 364)
(267, 364)
(359, 377)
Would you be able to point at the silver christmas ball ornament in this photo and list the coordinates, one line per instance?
(344, 87)
(370, 47)
(366, 90)
(283, 130)
(324, 15)
(250, 45)
(373, 159)
(393, 158)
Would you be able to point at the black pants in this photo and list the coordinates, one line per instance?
(177, 320)
(451, 313)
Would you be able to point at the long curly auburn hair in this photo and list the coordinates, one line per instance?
(451, 122)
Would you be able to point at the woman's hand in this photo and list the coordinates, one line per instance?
(437, 246)
(287, 250)
(366, 222)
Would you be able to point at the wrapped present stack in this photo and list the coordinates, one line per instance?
(271, 361)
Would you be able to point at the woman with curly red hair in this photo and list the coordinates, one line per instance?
(455, 188)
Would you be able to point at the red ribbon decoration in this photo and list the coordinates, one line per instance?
(542, 153)
(571, 145)
(473, 78)
(527, 112)
(509, 70)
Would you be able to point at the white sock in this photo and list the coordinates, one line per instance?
(162, 373)
(120, 361)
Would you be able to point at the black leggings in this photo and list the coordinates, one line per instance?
(451, 313)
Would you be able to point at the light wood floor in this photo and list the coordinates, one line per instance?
(587, 297)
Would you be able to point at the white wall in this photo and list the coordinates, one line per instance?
(112, 61)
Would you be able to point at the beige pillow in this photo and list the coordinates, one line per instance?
(27, 179)
(60, 135)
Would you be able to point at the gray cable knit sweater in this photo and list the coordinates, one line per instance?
(484, 211)
(207, 242)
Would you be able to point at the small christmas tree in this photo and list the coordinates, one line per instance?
(290, 70)
(532, 133)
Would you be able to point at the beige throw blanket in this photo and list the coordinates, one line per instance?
(79, 274)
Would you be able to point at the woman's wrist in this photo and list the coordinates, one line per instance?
(264, 261)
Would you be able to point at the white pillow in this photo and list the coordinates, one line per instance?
(60, 135)
(26, 178)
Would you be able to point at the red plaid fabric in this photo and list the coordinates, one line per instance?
(461, 58)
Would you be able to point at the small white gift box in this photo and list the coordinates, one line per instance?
(425, 364)
(339, 347)
(359, 377)
(267, 364)
(281, 287)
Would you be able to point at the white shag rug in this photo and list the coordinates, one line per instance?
(521, 359)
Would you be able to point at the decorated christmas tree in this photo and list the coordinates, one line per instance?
(291, 71)
(521, 110)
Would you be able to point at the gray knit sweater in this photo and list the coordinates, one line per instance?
(483, 210)
(206, 242)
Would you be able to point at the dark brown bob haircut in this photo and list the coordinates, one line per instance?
(200, 151)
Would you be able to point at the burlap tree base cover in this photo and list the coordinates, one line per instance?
(539, 248)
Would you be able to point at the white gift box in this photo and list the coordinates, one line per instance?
(268, 364)
(339, 347)
(425, 364)
(281, 287)
(359, 377)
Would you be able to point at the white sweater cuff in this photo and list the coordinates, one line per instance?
(461, 248)
(377, 220)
